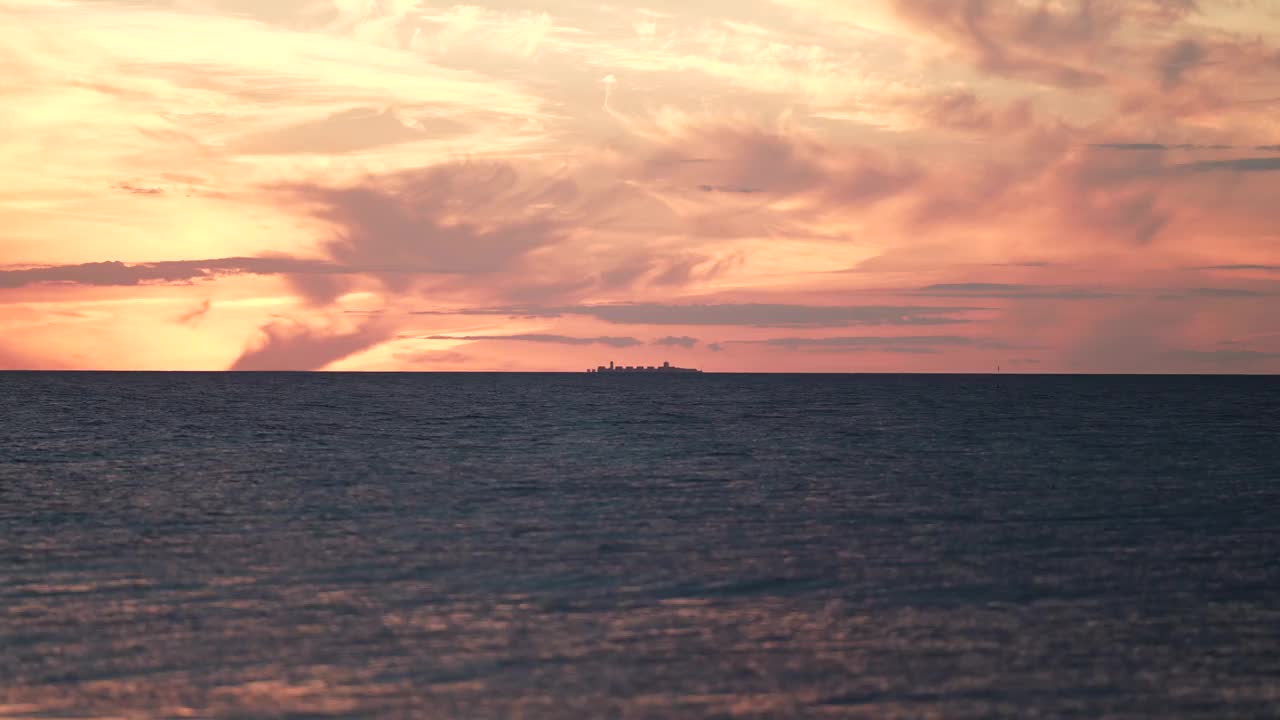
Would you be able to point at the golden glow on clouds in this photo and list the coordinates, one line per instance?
(203, 184)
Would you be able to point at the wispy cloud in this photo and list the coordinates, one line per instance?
(139, 190)
(1158, 147)
(462, 218)
(890, 343)
(1263, 268)
(290, 345)
(743, 314)
(683, 341)
(1042, 44)
(1214, 292)
(1244, 165)
(539, 176)
(347, 131)
(617, 342)
(193, 316)
(1003, 290)
(728, 189)
(115, 273)
(1234, 359)
(1179, 59)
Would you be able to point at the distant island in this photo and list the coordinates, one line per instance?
(666, 368)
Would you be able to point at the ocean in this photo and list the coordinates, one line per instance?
(586, 546)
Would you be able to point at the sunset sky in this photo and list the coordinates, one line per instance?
(745, 185)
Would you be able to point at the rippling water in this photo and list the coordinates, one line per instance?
(574, 546)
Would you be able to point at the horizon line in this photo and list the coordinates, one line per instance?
(1046, 373)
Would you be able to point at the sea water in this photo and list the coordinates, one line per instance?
(584, 546)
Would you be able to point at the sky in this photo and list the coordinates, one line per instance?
(744, 185)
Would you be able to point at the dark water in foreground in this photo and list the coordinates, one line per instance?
(577, 546)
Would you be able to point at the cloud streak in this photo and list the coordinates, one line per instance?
(740, 314)
(1037, 44)
(617, 342)
(115, 273)
(1163, 147)
(1004, 290)
(683, 341)
(904, 343)
(1240, 165)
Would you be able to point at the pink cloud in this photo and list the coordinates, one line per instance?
(288, 345)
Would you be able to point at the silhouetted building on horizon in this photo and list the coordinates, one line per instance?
(665, 368)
